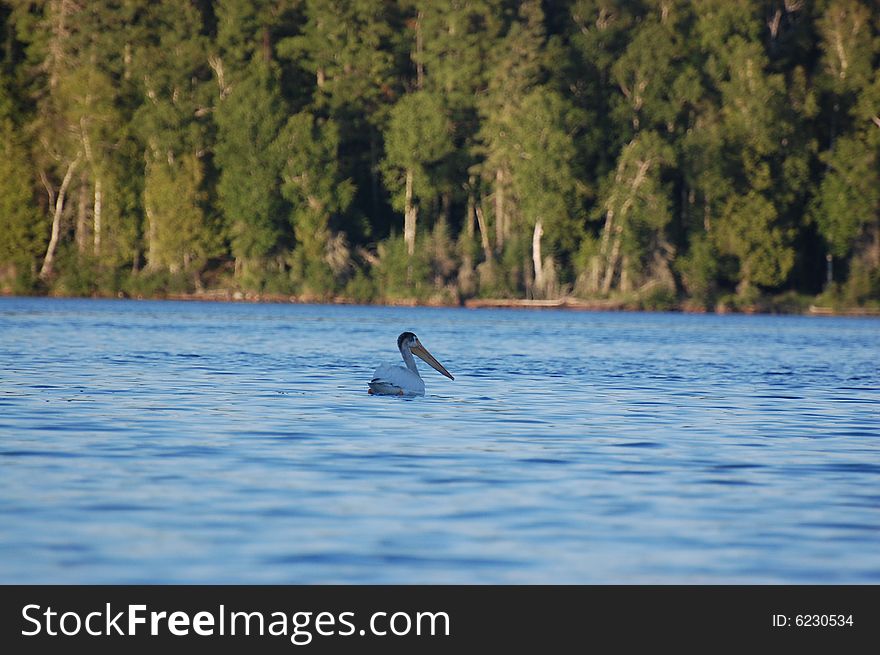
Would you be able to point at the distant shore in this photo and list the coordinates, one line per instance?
(568, 303)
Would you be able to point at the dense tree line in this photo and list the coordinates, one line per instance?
(659, 150)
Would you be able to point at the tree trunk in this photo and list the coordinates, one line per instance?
(536, 258)
(267, 45)
(81, 209)
(612, 262)
(484, 233)
(126, 60)
(606, 233)
(499, 210)
(152, 245)
(469, 217)
(49, 259)
(99, 195)
(874, 249)
(99, 204)
(624, 275)
(420, 68)
(594, 275)
(410, 212)
(152, 234)
(374, 169)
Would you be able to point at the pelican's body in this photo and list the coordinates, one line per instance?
(391, 380)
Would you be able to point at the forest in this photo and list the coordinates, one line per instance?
(706, 155)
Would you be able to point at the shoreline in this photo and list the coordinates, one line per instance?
(567, 303)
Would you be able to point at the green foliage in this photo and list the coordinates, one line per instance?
(456, 40)
(418, 139)
(153, 284)
(705, 152)
(20, 224)
(658, 298)
(249, 159)
(543, 174)
(181, 238)
(748, 231)
(243, 32)
(315, 188)
(699, 270)
(848, 56)
(83, 274)
(647, 74)
(348, 48)
(361, 288)
(399, 276)
(849, 195)
(862, 287)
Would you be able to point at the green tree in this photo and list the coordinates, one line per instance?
(249, 120)
(173, 124)
(20, 239)
(453, 46)
(351, 55)
(749, 128)
(636, 209)
(315, 187)
(180, 239)
(75, 71)
(516, 66)
(249, 115)
(543, 179)
(847, 205)
(417, 143)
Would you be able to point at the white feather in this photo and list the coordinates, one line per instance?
(396, 380)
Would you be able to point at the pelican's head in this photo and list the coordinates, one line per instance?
(408, 341)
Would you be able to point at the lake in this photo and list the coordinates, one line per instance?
(188, 442)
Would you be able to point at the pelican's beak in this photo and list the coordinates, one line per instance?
(427, 357)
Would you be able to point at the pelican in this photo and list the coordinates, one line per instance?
(399, 381)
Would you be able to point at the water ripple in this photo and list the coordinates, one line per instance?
(212, 442)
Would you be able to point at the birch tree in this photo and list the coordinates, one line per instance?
(49, 29)
(636, 209)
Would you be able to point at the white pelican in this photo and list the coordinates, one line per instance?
(399, 381)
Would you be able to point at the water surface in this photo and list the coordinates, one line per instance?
(209, 442)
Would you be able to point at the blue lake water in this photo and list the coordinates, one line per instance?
(207, 442)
